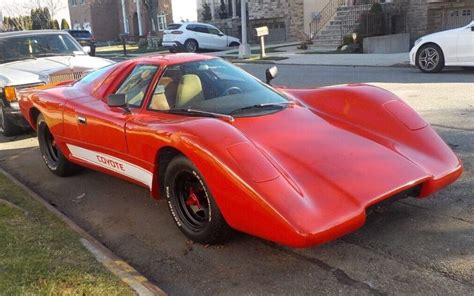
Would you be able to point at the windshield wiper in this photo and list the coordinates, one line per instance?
(264, 105)
(202, 113)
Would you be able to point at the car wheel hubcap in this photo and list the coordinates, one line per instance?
(429, 59)
(191, 47)
(193, 202)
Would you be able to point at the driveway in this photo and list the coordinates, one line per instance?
(415, 247)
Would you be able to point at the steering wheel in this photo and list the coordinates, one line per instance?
(233, 90)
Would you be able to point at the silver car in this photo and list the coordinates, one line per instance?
(37, 58)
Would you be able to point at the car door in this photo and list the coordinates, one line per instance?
(218, 39)
(203, 37)
(102, 128)
(465, 46)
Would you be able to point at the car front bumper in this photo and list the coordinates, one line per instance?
(413, 52)
(13, 113)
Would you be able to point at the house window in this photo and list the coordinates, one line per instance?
(161, 22)
(74, 2)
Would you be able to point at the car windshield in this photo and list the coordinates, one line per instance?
(214, 86)
(17, 48)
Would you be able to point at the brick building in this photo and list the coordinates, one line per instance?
(292, 20)
(104, 18)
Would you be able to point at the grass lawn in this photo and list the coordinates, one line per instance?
(40, 255)
(118, 49)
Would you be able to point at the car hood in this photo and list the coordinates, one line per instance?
(38, 70)
(325, 160)
(444, 33)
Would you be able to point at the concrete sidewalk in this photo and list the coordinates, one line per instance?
(291, 55)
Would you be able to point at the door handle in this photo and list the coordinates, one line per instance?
(81, 120)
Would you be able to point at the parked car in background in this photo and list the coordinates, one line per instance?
(455, 47)
(37, 58)
(85, 38)
(191, 37)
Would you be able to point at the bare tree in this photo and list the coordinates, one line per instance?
(54, 6)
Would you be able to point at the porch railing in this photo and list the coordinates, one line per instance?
(324, 16)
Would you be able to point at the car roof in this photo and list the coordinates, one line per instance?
(171, 59)
(29, 33)
(192, 23)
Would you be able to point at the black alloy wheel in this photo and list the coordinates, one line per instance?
(192, 205)
(52, 155)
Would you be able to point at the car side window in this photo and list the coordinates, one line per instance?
(214, 31)
(136, 84)
(201, 29)
(164, 95)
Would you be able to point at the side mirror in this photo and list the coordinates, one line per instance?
(86, 49)
(271, 73)
(220, 34)
(117, 100)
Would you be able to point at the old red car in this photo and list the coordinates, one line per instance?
(295, 166)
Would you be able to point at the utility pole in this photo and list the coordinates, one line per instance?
(124, 15)
(140, 32)
(244, 48)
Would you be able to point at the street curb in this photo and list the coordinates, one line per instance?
(398, 65)
(136, 281)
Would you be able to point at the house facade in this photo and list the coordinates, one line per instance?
(291, 20)
(107, 19)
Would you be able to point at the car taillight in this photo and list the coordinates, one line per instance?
(177, 32)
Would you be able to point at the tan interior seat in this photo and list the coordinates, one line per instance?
(159, 102)
(189, 89)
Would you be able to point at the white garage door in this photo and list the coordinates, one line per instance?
(459, 17)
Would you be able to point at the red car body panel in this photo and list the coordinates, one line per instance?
(299, 177)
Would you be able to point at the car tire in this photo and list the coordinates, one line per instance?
(191, 45)
(192, 205)
(172, 50)
(234, 44)
(7, 127)
(430, 58)
(55, 160)
(470, 69)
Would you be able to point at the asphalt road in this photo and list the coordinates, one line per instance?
(415, 247)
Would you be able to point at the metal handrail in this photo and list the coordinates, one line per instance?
(325, 15)
(353, 16)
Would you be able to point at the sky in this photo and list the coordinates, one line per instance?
(182, 9)
(23, 7)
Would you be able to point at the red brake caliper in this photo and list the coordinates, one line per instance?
(193, 199)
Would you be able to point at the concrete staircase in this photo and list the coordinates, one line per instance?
(343, 22)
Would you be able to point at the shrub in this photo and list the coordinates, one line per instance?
(142, 43)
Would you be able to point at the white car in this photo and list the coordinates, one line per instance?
(193, 36)
(447, 48)
(36, 58)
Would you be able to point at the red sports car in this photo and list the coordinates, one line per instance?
(295, 166)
